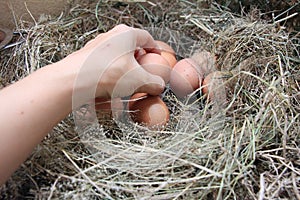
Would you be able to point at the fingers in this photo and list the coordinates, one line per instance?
(142, 37)
(151, 84)
(120, 28)
(128, 75)
(104, 36)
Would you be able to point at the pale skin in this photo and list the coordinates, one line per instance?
(31, 107)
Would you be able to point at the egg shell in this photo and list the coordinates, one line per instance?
(213, 87)
(184, 77)
(165, 47)
(156, 64)
(108, 108)
(170, 58)
(150, 111)
(135, 97)
(167, 52)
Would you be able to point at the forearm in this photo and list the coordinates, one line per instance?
(33, 105)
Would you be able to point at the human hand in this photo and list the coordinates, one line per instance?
(106, 66)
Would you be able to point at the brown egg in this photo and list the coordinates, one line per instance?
(213, 87)
(150, 111)
(135, 97)
(167, 52)
(165, 47)
(170, 58)
(156, 64)
(184, 78)
(108, 108)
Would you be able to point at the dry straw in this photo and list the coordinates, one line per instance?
(250, 150)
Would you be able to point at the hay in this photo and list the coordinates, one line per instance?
(249, 151)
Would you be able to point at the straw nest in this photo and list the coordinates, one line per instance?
(248, 149)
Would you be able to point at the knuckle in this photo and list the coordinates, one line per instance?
(122, 27)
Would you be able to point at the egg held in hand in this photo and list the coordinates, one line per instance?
(165, 47)
(170, 58)
(150, 111)
(184, 78)
(167, 52)
(156, 64)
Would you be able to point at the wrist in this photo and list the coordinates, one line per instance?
(58, 76)
(57, 81)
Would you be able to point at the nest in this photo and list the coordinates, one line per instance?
(249, 150)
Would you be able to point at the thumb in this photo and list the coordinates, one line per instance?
(153, 84)
(137, 79)
(148, 83)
